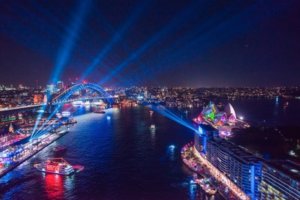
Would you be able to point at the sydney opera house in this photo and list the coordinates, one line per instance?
(224, 120)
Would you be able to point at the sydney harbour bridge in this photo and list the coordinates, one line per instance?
(67, 96)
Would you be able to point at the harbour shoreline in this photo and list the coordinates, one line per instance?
(47, 143)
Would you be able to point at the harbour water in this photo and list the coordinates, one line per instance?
(123, 158)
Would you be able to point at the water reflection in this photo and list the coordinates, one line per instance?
(171, 152)
(54, 186)
(192, 190)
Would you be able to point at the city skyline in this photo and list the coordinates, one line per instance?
(202, 44)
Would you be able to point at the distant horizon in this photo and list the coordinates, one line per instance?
(172, 86)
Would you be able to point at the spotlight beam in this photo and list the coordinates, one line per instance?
(64, 98)
(65, 50)
(173, 25)
(198, 44)
(69, 93)
(34, 23)
(115, 39)
(167, 113)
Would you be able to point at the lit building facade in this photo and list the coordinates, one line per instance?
(280, 181)
(257, 178)
(238, 165)
(241, 167)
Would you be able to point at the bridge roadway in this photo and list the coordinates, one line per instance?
(20, 107)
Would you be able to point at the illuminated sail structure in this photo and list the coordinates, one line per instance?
(221, 119)
(230, 112)
(212, 114)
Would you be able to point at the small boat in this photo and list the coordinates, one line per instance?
(59, 149)
(58, 166)
(152, 127)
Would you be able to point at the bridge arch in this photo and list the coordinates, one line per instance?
(64, 96)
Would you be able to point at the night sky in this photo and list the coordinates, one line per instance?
(160, 43)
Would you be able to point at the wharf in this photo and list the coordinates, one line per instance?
(44, 143)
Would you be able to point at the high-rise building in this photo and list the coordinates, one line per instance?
(257, 178)
(280, 181)
(240, 166)
(236, 163)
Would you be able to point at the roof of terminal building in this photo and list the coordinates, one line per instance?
(288, 167)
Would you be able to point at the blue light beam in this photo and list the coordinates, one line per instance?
(66, 96)
(171, 26)
(65, 50)
(115, 39)
(169, 114)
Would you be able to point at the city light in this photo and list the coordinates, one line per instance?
(120, 86)
(65, 96)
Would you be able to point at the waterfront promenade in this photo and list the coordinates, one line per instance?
(30, 149)
(197, 163)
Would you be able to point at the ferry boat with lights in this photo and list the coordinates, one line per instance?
(152, 127)
(58, 166)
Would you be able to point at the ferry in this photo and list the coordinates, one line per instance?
(152, 127)
(58, 166)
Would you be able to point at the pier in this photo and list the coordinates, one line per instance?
(32, 148)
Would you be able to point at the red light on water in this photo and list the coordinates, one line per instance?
(54, 186)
